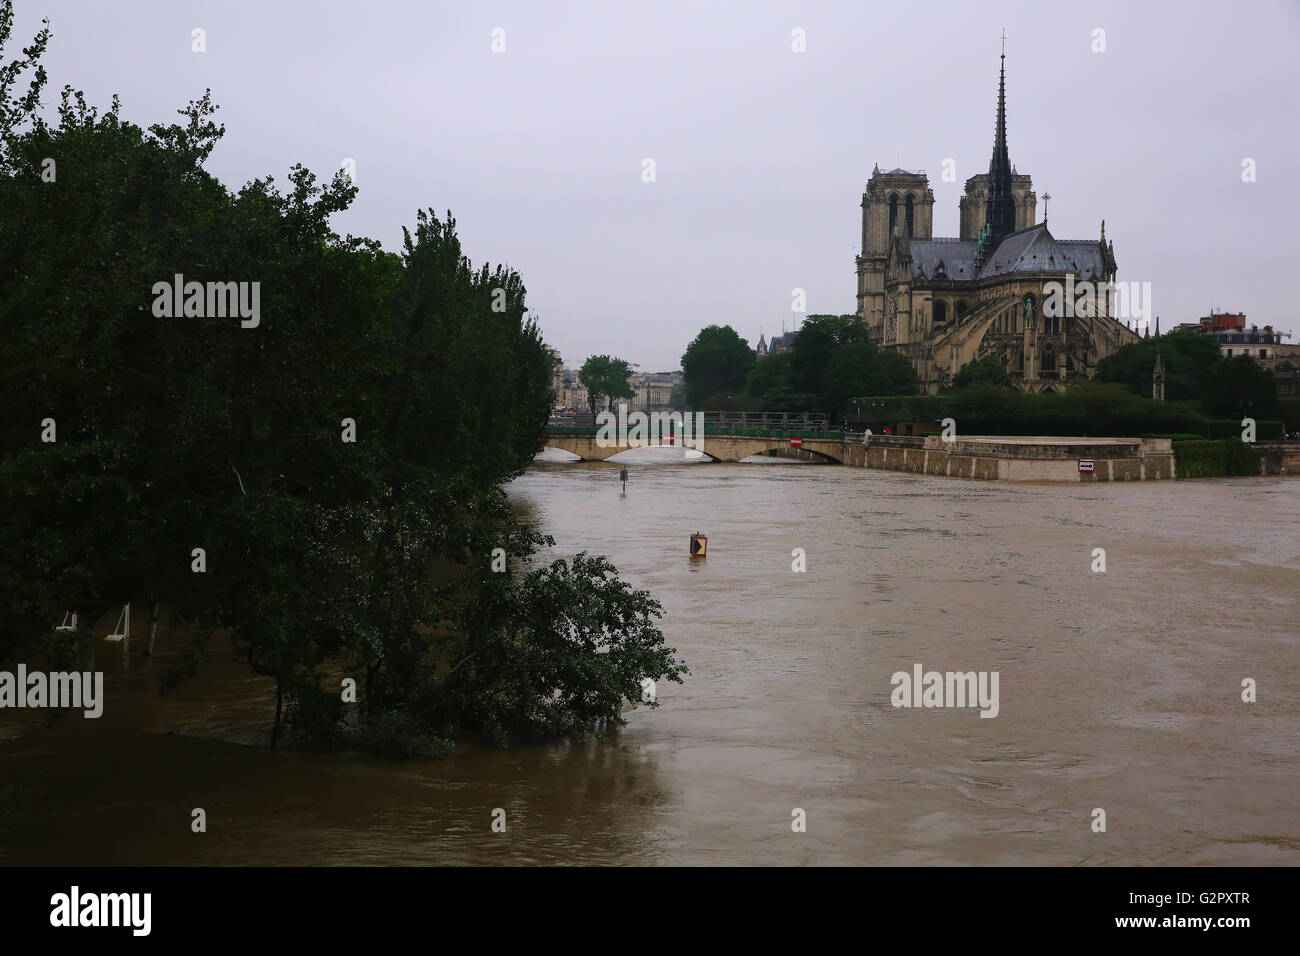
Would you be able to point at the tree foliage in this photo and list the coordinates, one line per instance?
(859, 369)
(832, 362)
(716, 361)
(986, 370)
(1086, 409)
(607, 376)
(816, 342)
(1190, 361)
(1195, 370)
(340, 462)
(1240, 387)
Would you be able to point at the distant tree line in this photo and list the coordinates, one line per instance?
(1206, 395)
(831, 363)
(325, 488)
(1195, 371)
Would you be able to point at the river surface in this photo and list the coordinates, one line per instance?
(1119, 691)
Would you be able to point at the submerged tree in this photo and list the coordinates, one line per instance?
(319, 479)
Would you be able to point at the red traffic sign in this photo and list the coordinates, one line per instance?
(1085, 464)
(796, 442)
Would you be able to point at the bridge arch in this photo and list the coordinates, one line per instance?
(820, 455)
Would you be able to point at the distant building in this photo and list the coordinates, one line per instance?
(780, 343)
(571, 393)
(1263, 345)
(557, 369)
(654, 391)
(1288, 384)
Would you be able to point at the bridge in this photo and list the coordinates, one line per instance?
(727, 436)
(734, 436)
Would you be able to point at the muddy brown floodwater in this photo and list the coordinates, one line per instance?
(1119, 690)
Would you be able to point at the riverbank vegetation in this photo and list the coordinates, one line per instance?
(312, 464)
(1215, 459)
(1100, 409)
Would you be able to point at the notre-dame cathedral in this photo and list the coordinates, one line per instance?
(944, 302)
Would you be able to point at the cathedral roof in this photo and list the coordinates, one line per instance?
(1031, 250)
(957, 256)
(1087, 255)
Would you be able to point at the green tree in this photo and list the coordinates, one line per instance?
(769, 377)
(1241, 387)
(716, 361)
(340, 461)
(555, 653)
(818, 338)
(859, 370)
(1088, 408)
(18, 112)
(986, 370)
(1190, 362)
(608, 376)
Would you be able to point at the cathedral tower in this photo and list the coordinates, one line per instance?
(899, 202)
(974, 204)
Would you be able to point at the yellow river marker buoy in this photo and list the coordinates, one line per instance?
(699, 545)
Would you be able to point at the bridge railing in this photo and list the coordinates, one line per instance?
(557, 421)
(784, 421)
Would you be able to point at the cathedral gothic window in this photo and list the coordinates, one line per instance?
(909, 215)
(1049, 358)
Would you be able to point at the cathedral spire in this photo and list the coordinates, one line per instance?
(1000, 208)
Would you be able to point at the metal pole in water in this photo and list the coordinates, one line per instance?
(622, 476)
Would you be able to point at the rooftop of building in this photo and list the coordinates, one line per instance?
(1033, 249)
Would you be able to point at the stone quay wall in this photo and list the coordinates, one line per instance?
(991, 458)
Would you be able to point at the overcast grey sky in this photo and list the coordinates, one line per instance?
(761, 153)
